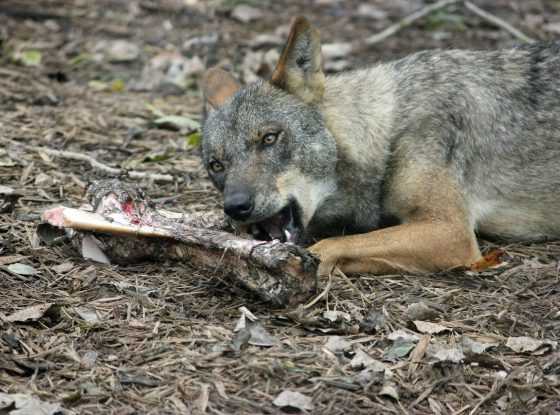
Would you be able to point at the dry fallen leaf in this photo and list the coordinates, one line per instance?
(91, 250)
(337, 344)
(249, 330)
(168, 71)
(420, 311)
(21, 269)
(361, 360)
(120, 50)
(418, 354)
(260, 337)
(373, 322)
(333, 51)
(490, 260)
(371, 12)
(24, 404)
(553, 27)
(472, 346)
(430, 328)
(177, 123)
(374, 373)
(403, 335)
(529, 344)
(266, 40)
(334, 316)
(89, 358)
(29, 314)
(390, 389)
(10, 259)
(440, 352)
(87, 314)
(295, 400)
(63, 268)
(245, 14)
(400, 348)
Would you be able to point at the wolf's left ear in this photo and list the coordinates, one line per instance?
(299, 68)
(218, 86)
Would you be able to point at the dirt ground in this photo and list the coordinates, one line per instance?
(93, 77)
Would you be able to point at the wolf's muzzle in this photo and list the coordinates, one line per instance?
(238, 205)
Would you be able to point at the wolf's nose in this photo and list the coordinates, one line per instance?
(238, 206)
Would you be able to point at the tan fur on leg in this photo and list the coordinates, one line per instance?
(436, 234)
(413, 248)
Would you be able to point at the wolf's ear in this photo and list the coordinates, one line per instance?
(299, 68)
(218, 86)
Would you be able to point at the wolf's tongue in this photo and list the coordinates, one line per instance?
(282, 227)
(274, 227)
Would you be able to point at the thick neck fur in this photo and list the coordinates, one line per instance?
(359, 110)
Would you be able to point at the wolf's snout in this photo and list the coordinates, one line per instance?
(238, 205)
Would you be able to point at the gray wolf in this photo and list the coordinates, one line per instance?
(393, 168)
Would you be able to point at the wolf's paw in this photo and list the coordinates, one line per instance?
(327, 254)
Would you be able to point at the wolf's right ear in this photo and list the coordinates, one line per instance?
(218, 86)
(299, 68)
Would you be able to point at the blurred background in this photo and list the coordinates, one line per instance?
(163, 45)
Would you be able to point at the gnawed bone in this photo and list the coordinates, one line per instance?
(128, 229)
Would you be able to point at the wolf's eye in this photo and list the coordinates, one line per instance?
(216, 166)
(270, 138)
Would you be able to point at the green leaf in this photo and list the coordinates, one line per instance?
(29, 57)
(118, 85)
(80, 59)
(194, 139)
(155, 157)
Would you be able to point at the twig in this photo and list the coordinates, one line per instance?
(498, 22)
(498, 384)
(425, 11)
(429, 390)
(70, 155)
(321, 295)
(350, 284)
(495, 388)
(408, 20)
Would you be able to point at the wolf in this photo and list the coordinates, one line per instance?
(393, 168)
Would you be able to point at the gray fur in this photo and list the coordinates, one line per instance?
(488, 119)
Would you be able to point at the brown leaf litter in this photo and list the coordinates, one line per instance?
(161, 337)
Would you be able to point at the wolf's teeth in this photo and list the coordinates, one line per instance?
(288, 235)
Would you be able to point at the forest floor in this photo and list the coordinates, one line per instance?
(96, 78)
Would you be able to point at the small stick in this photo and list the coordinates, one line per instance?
(498, 383)
(70, 155)
(408, 20)
(425, 11)
(498, 22)
(321, 295)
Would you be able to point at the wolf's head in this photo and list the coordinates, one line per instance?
(266, 146)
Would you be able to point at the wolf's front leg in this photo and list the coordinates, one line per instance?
(417, 247)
